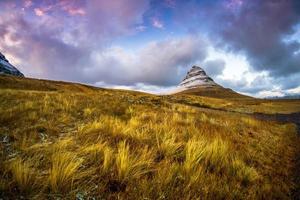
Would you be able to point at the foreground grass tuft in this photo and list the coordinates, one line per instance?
(23, 174)
(64, 171)
(130, 166)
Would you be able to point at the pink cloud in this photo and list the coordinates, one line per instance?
(39, 12)
(76, 11)
(72, 8)
(62, 42)
(28, 3)
(69, 7)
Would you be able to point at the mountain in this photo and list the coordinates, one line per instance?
(7, 68)
(196, 77)
(197, 82)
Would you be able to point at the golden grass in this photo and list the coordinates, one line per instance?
(93, 151)
(23, 174)
(60, 140)
(108, 157)
(87, 112)
(123, 161)
(130, 166)
(64, 171)
(217, 155)
(168, 146)
(243, 172)
(193, 154)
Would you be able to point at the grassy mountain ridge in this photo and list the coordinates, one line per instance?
(12, 82)
(64, 140)
(215, 91)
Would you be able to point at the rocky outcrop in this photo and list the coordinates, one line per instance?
(196, 77)
(7, 68)
(198, 83)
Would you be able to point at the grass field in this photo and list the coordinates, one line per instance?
(67, 141)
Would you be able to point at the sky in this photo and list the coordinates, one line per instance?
(251, 46)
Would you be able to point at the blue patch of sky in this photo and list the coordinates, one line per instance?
(158, 11)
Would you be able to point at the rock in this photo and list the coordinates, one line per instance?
(7, 68)
(198, 83)
(195, 78)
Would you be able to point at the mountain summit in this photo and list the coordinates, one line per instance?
(196, 77)
(198, 83)
(7, 68)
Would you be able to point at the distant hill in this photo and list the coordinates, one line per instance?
(296, 96)
(197, 82)
(216, 91)
(13, 82)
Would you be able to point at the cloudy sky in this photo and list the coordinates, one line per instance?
(251, 46)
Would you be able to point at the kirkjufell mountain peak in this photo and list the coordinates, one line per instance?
(196, 77)
(197, 82)
(7, 68)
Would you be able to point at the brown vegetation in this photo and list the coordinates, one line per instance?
(73, 141)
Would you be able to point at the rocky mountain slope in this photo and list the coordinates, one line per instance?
(196, 77)
(7, 68)
(197, 82)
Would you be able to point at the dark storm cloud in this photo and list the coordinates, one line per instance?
(258, 30)
(260, 83)
(289, 83)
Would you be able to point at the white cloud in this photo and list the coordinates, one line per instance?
(239, 76)
(157, 63)
(141, 28)
(236, 65)
(294, 90)
(157, 23)
(270, 93)
(141, 87)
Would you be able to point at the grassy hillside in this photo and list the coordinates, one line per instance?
(218, 97)
(240, 105)
(215, 91)
(62, 140)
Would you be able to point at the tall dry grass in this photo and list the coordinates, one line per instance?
(64, 171)
(23, 173)
(130, 166)
(72, 141)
